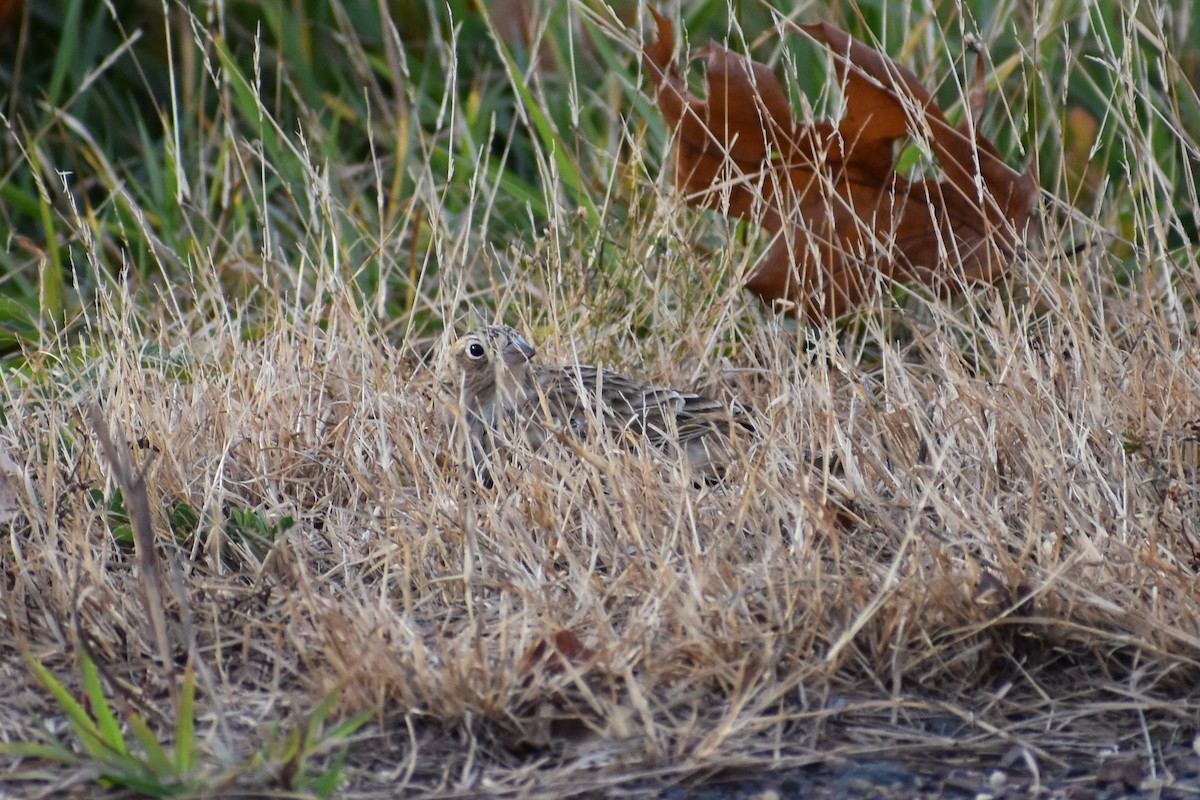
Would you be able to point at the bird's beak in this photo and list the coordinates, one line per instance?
(518, 352)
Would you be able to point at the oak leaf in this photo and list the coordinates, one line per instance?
(840, 216)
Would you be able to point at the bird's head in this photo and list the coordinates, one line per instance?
(490, 360)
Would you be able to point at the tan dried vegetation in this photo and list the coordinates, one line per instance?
(981, 509)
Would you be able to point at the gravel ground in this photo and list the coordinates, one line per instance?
(1176, 776)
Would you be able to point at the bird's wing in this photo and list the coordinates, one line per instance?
(572, 393)
(702, 415)
(699, 427)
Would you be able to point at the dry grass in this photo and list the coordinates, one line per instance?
(969, 526)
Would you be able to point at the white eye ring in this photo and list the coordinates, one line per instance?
(475, 351)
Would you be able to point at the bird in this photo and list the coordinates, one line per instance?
(499, 394)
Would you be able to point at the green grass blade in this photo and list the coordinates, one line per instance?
(350, 726)
(185, 725)
(106, 721)
(325, 784)
(157, 760)
(316, 720)
(51, 283)
(546, 130)
(46, 752)
(64, 53)
(244, 96)
(91, 737)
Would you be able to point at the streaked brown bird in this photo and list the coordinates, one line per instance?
(496, 388)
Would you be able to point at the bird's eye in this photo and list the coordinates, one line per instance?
(475, 350)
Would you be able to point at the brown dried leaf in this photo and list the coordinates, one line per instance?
(8, 12)
(829, 194)
(552, 655)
